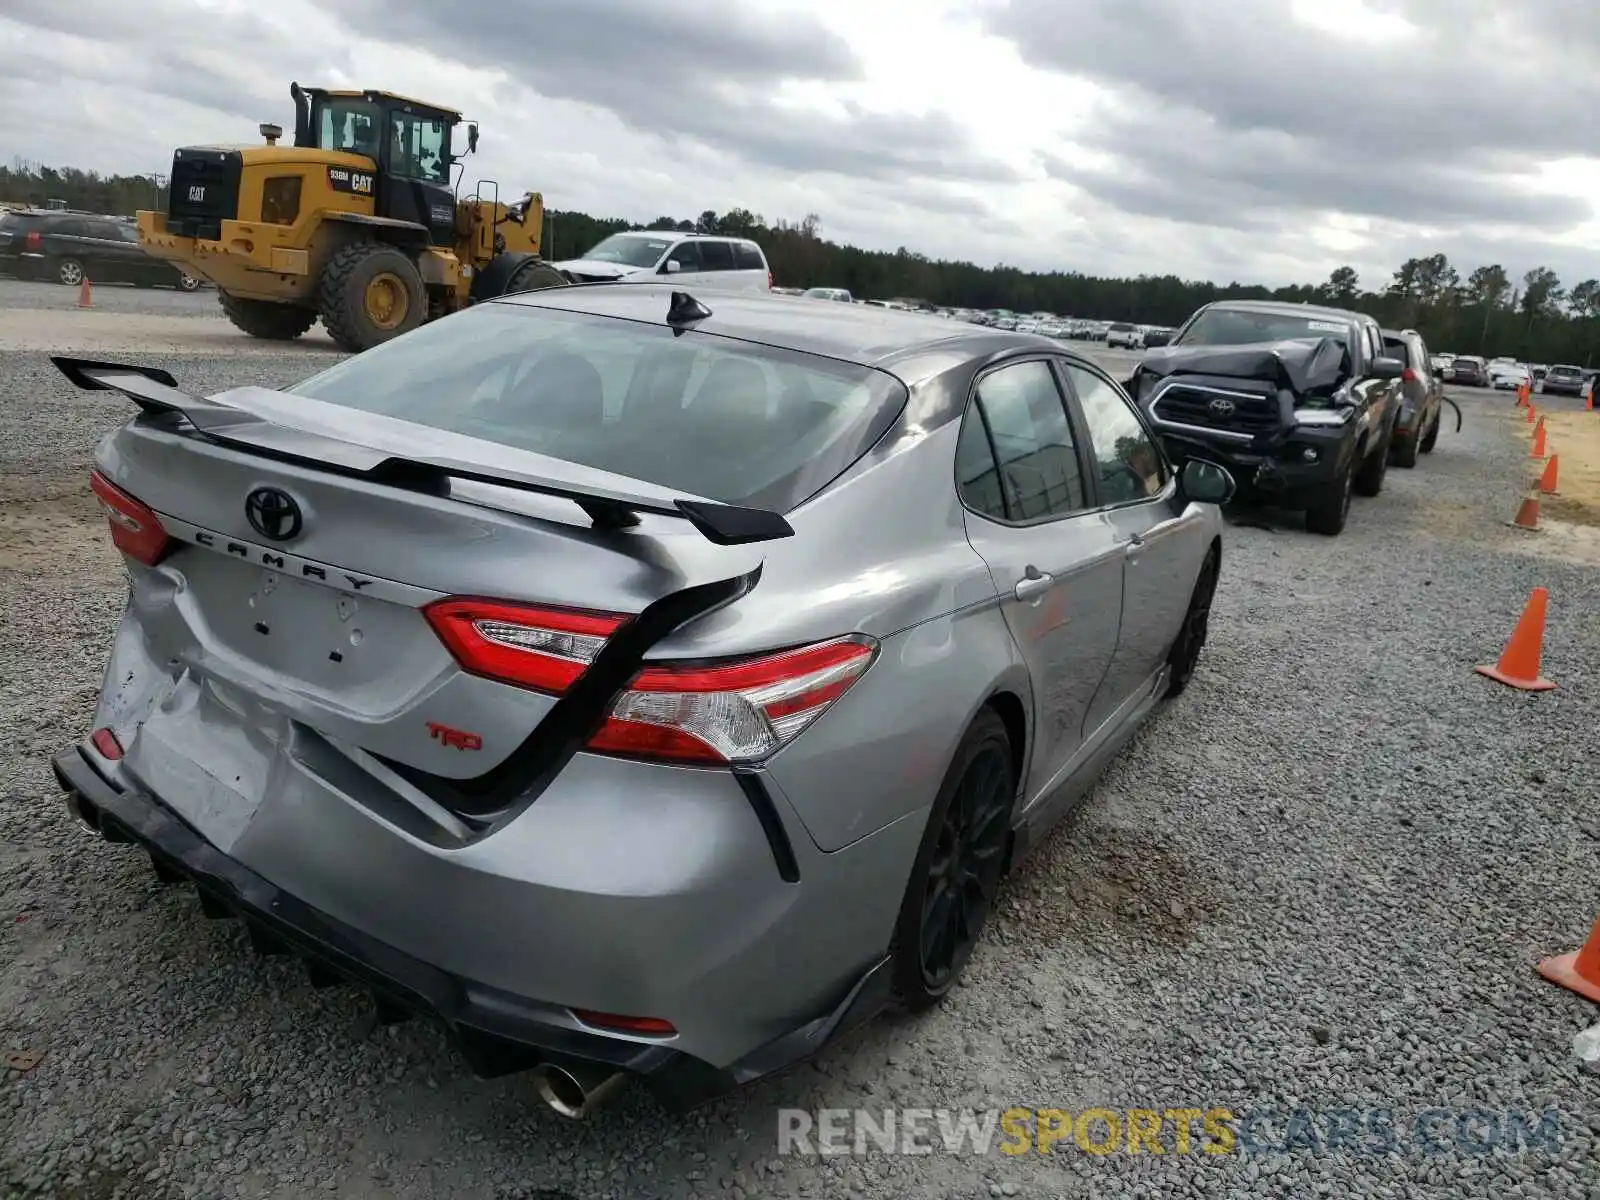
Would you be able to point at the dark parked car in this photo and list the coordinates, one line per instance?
(1421, 396)
(68, 247)
(1296, 400)
(1473, 372)
(1564, 380)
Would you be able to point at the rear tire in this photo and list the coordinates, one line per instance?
(70, 272)
(1431, 438)
(534, 276)
(1406, 446)
(265, 319)
(1191, 639)
(370, 294)
(188, 283)
(958, 866)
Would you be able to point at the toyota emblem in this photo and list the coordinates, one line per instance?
(1222, 407)
(273, 514)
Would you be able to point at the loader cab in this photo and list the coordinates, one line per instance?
(408, 140)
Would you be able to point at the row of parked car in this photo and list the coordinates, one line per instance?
(68, 246)
(1507, 374)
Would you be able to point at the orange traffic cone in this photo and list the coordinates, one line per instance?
(1547, 481)
(1579, 971)
(84, 300)
(1527, 514)
(1537, 449)
(1531, 413)
(1519, 663)
(1521, 399)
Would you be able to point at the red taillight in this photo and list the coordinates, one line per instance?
(34, 242)
(545, 649)
(105, 742)
(135, 529)
(724, 712)
(643, 1026)
(769, 280)
(1409, 375)
(731, 712)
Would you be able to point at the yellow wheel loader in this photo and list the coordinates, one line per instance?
(358, 223)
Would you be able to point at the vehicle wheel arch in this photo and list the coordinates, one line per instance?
(1013, 714)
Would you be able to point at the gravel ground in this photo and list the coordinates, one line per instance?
(113, 297)
(1318, 881)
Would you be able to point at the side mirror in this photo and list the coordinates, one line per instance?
(1152, 340)
(1205, 482)
(1387, 368)
(472, 138)
(671, 267)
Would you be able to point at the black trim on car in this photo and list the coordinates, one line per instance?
(755, 791)
(496, 1032)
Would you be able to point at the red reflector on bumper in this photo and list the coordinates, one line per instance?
(106, 744)
(641, 1026)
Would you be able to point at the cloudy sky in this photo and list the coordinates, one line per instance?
(1257, 140)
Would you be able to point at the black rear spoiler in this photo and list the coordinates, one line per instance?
(156, 391)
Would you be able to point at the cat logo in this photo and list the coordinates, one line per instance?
(342, 179)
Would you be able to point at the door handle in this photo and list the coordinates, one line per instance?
(1033, 585)
(1135, 544)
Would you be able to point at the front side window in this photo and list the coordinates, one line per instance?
(1015, 457)
(704, 415)
(717, 256)
(1127, 462)
(418, 147)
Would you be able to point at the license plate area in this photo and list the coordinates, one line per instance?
(357, 650)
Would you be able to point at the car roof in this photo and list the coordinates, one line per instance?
(679, 235)
(889, 339)
(1287, 307)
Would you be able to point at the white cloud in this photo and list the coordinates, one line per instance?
(1270, 141)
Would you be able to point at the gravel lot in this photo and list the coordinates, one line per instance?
(1320, 880)
(113, 297)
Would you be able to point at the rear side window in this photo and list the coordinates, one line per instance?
(1015, 457)
(748, 257)
(716, 256)
(733, 421)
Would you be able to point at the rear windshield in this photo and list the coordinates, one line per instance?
(1244, 327)
(711, 416)
(1564, 371)
(1120, 329)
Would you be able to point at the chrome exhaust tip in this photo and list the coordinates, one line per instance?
(576, 1092)
(84, 813)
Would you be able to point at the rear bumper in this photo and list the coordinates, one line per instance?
(496, 1032)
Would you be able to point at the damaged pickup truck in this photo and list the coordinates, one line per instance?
(1297, 401)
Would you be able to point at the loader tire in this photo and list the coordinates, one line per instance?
(532, 276)
(370, 293)
(265, 319)
(511, 272)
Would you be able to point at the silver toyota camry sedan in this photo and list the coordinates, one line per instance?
(643, 685)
